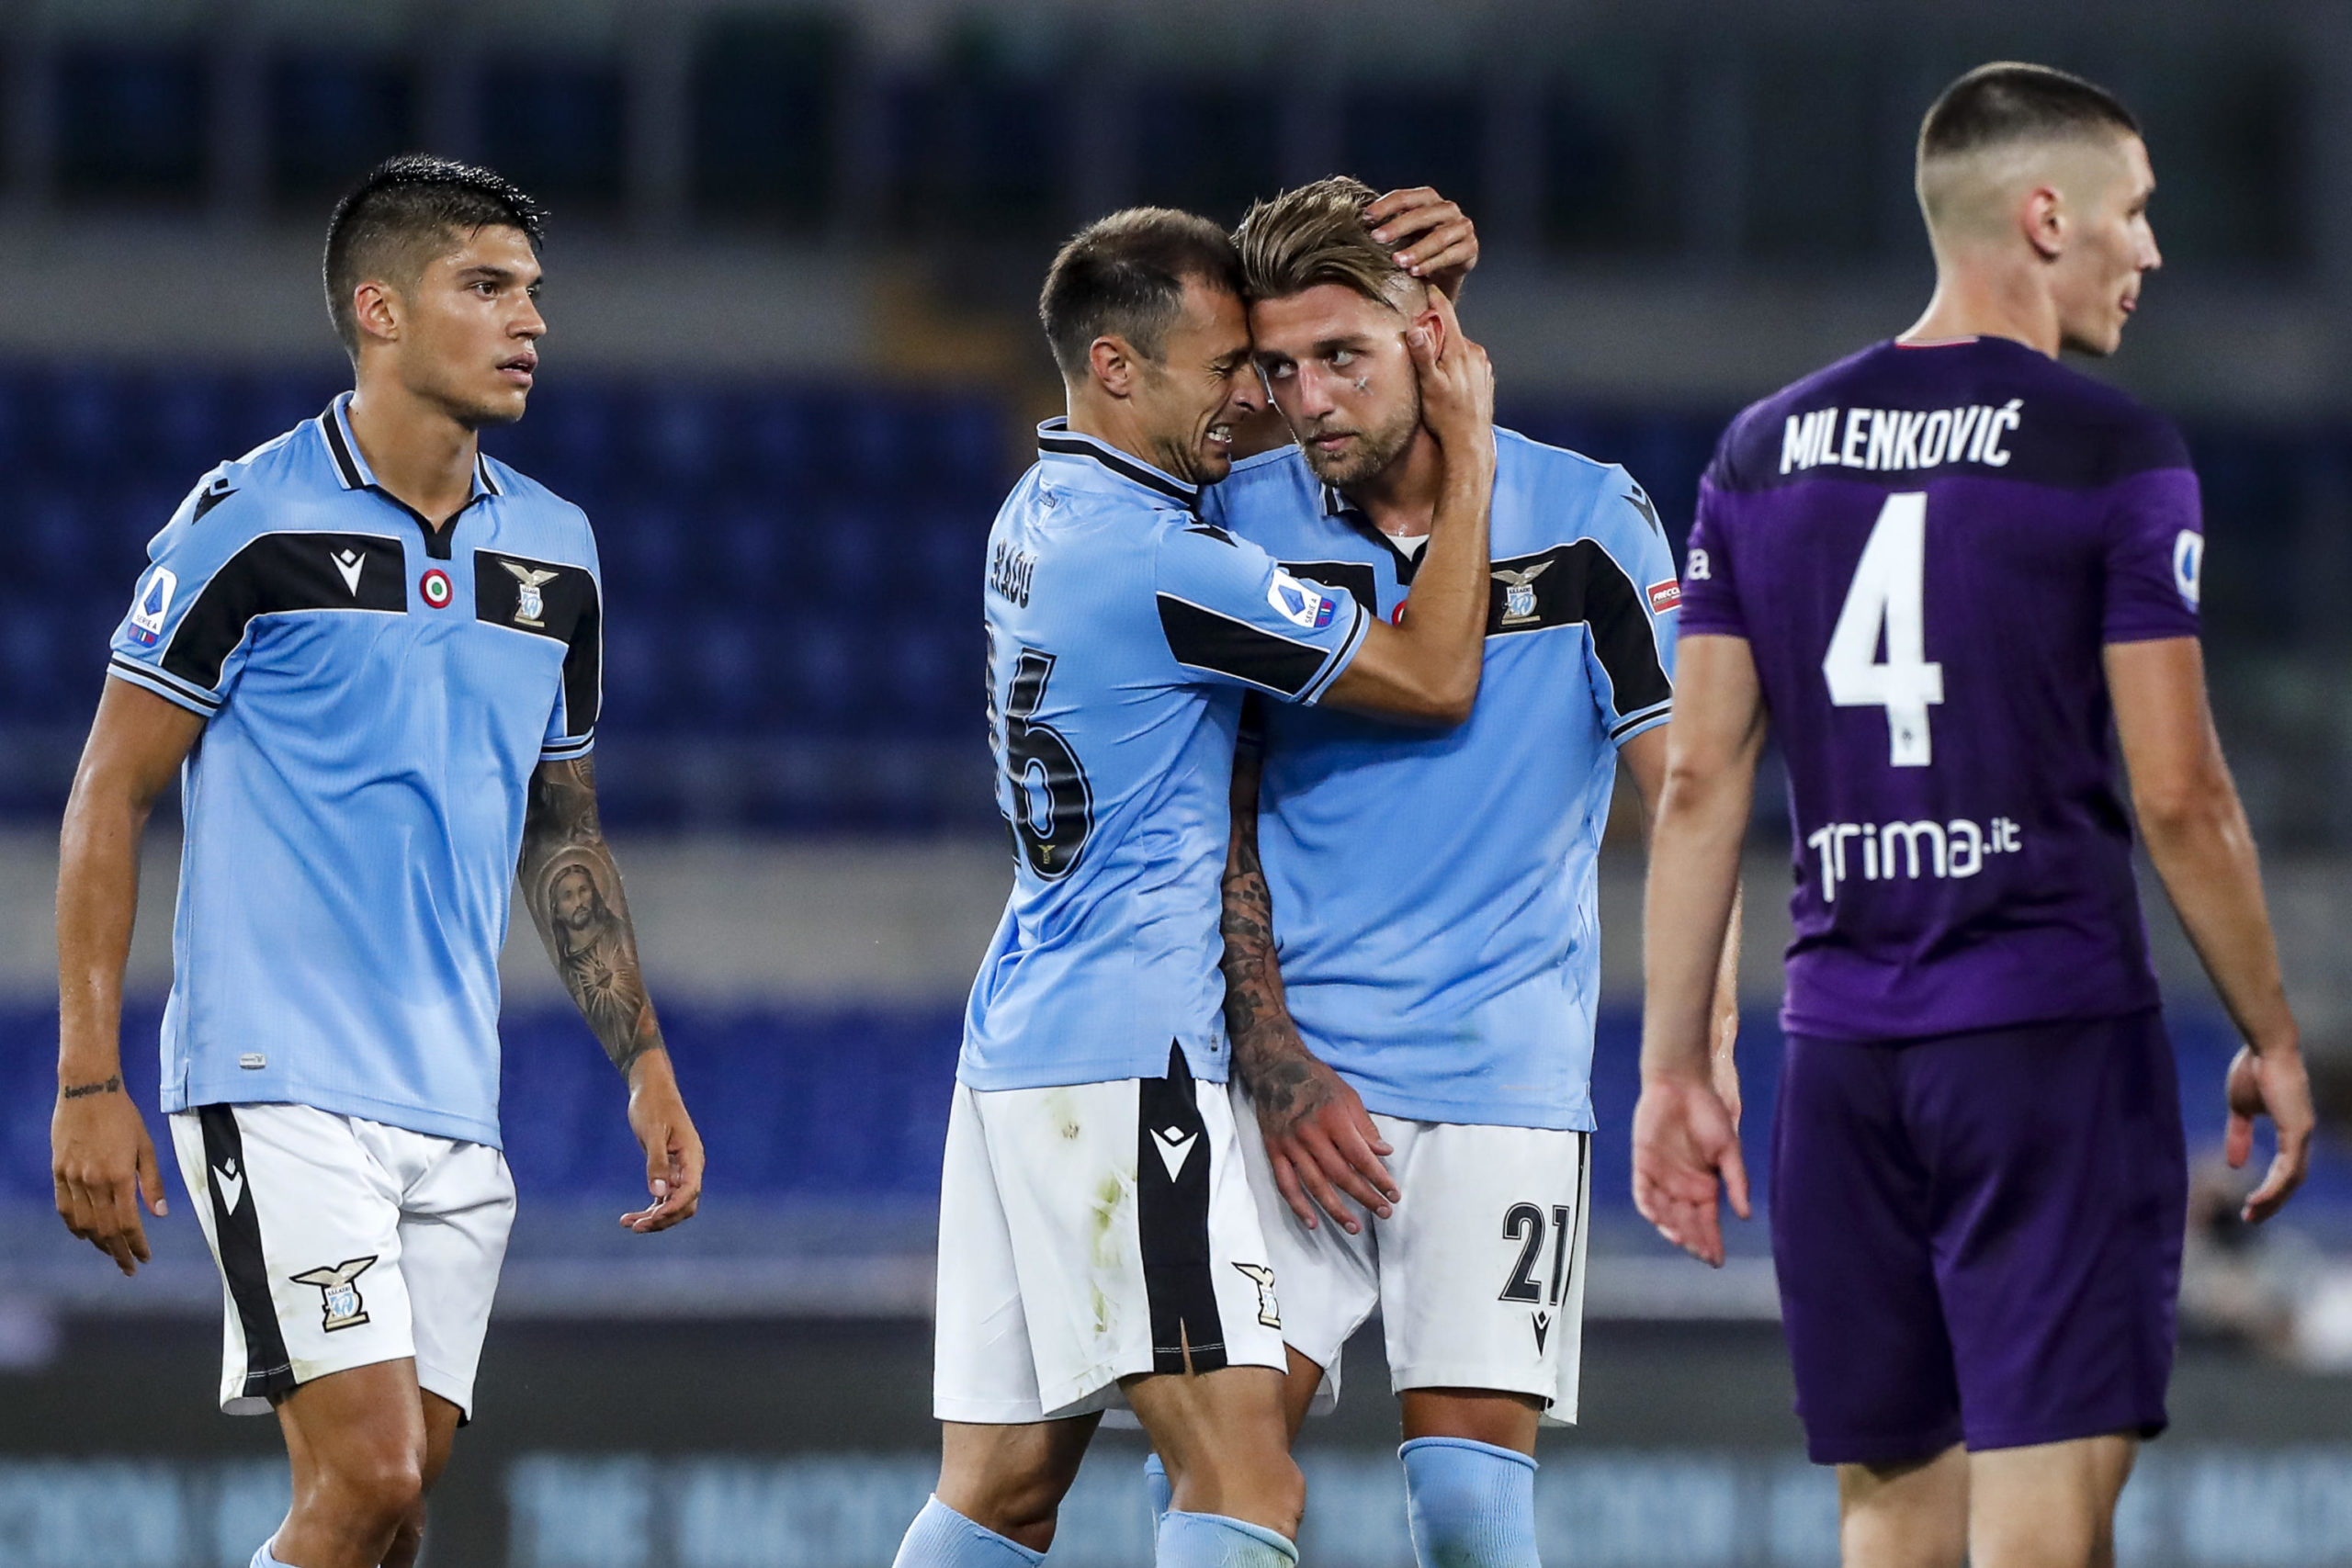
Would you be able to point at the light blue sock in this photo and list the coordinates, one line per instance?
(1212, 1540)
(942, 1538)
(1156, 1487)
(261, 1559)
(1471, 1505)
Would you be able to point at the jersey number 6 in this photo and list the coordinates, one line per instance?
(1051, 805)
(1888, 594)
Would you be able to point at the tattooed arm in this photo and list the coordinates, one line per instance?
(1319, 1138)
(573, 891)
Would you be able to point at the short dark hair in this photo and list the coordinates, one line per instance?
(387, 224)
(2008, 101)
(1125, 274)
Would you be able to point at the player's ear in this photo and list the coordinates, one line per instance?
(376, 309)
(1431, 319)
(2042, 217)
(1113, 365)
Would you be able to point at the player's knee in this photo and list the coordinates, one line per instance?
(380, 1492)
(1020, 1506)
(1264, 1488)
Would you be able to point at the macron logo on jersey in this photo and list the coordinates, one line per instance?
(153, 603)
(1300, 606)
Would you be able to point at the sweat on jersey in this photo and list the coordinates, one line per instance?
(1926, 549)
(377, 696)
(1123, 631)
(1434, 894)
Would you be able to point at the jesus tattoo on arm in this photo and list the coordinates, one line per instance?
(573, 891)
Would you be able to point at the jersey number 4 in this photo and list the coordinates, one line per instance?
(1887, 597)
(1052, 805)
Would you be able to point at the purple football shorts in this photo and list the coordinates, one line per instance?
(1978, 1235)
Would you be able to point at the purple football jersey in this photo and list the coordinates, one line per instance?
(1926, 548)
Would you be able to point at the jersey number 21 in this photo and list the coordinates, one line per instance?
(1887, 597)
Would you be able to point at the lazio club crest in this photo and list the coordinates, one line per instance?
(530, 604)
(344, 1308)
(1518, 592)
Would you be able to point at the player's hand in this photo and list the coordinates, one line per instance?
(102, 1164)
(1436, 243)
(2272, 1084)
(672, 1149)
(1684, 1141)
(1322, 1141)
(1457, 383)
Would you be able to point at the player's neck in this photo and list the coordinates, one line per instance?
(1113, 423)
(416, 451)
(1401, 500)
(1992, 301)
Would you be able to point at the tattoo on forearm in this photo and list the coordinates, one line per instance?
(1270, 1059)
(573, 891)
(1285, 1082)
(112, 1085)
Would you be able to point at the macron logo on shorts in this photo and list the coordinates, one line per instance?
(231, 1184)
(1175, 1147)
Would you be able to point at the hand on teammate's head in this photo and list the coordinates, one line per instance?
(1435, 242)
(1457, 381)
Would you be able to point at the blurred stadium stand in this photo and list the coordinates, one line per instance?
(793, 253)
(792, 571)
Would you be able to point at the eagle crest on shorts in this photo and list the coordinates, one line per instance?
(1262, 1276)
(344, 1308)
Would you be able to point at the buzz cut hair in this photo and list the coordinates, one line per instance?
(1124, 277)
(2009, 102)
(1313, 235)
(392, 224)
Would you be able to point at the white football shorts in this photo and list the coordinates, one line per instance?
(1478, 1274)
(342, 1243)
(1092, 1233)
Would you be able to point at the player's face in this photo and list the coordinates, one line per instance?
(2112, 250)
(1202, 388)
(470, 336)
(1337, 365)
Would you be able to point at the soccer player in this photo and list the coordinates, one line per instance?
(373, 654)
(1097, 1239)
(1941, 568)
(1423, 1044)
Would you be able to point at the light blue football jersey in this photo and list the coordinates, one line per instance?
(1434, 894)
(377, 696)
(1123, 632)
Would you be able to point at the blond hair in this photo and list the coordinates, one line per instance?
(1313, 235)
